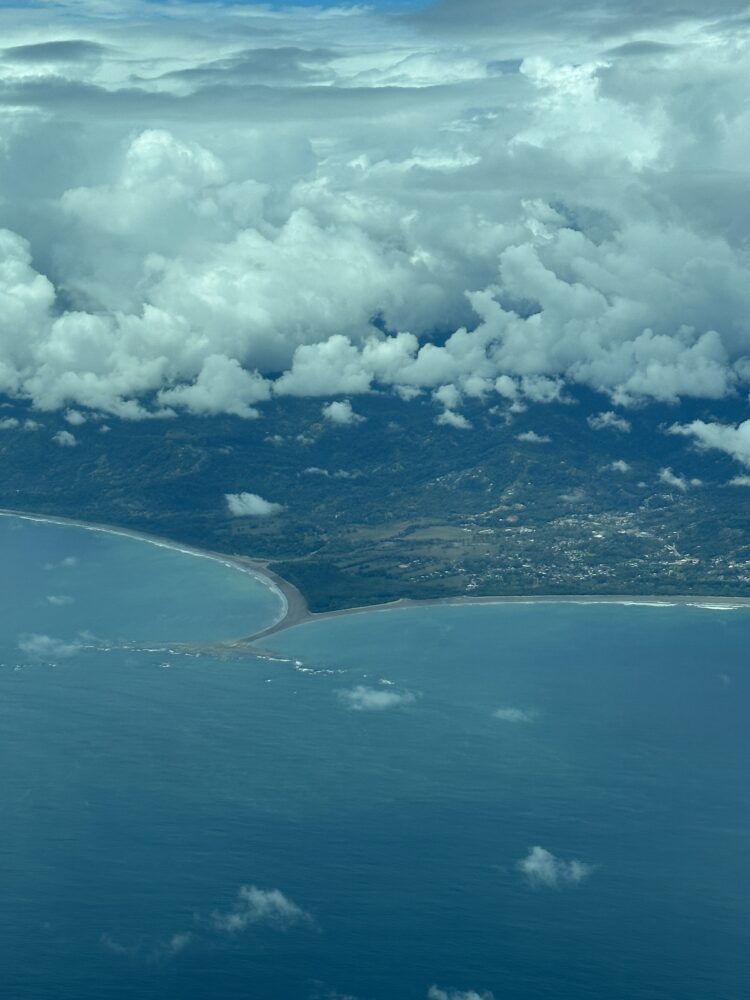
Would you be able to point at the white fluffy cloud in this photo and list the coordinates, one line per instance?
(340, 412)
(449, 418)
(436, 993)
(734, 441)
(254, 906)
(609, 421)
(65, 439)
(531, 437)
(222, 386)
(543, 870)
(367, 699)
(673, 480)
(515, 715)
(251, 505)
(562, 207)
(46, 647)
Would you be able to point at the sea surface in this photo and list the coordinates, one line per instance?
(518, 801)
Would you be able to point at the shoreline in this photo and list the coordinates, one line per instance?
(294, 608)
(288, 595)
(711, 603)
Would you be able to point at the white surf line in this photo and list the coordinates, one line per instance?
(160, 544)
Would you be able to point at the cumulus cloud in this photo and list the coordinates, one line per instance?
(733, 441)
(251, 505)
(516, 715)
(47, 648)
(531, 437)
(65, 439)
(608, 421)
(68, 562)
(9, 424)
(436, 993)
(340, 412)
(670, 478)
(266, 907)
(367, 699)
(252, 907)
(222, 386)
(208, 259)
(740, 481)
(60, 600)
(448, 395)
(543, 870)
(619, 465)
(449, 418)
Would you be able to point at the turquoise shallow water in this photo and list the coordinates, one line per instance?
(383, 785)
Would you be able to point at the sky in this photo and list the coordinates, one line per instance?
(203, 206)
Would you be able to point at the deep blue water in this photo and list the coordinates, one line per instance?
(384, 825)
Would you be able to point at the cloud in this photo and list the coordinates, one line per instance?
(448, 395)
(669, 478)
(341, 413)
(733, 441)
(60, 600)
(482, 18)
(367, 699)
(69, 562)
(324, 993)
(251, 505)
(619, 465)
(9, 424)
(45, 647)
(208, 259)
(222, 386)
(253, 907)
(608, 421)
(436, 993)
(65, 439)
(150, 953)
(178, 943)
(531, 437)
(515, 715)
(314, 470)
(75, 418)
(448, 418)
(108, 943)
(264, 907)
(68, 50)
(543, 870)
(740, 481)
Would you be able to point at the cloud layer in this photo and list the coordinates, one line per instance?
(196, 214)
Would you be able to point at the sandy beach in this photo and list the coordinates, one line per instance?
(295, 610)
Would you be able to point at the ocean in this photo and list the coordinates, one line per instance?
(511, 801)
